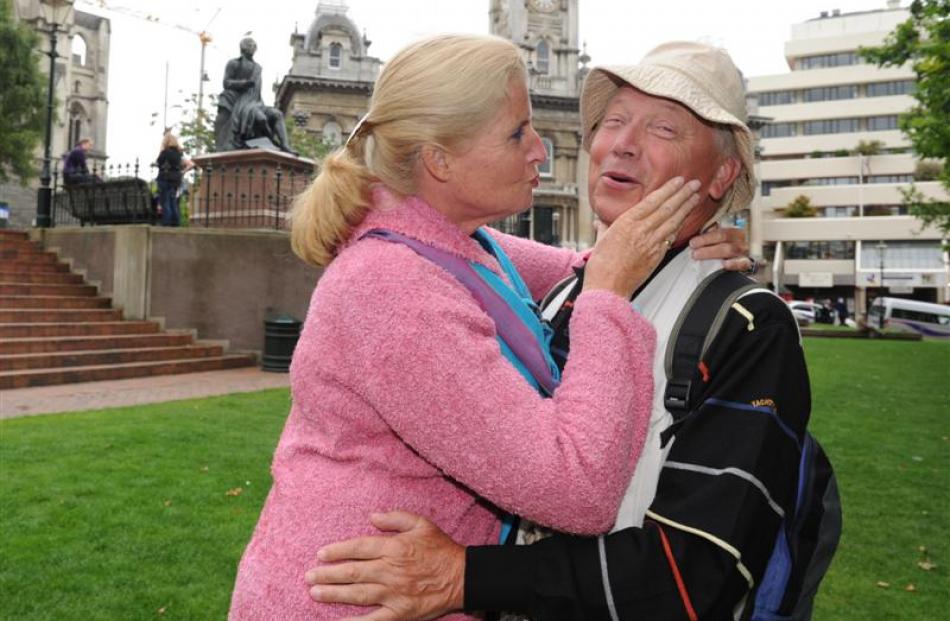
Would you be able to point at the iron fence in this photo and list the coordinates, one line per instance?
(218, 195)
(109, 194)
(245, 196)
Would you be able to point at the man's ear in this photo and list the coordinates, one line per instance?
(436, 162)
(726, 174)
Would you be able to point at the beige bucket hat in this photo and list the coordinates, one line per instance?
(702, 78)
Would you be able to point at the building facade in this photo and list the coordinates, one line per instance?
(833, 138)
(81, 81)
(547, 32)
(330, 82)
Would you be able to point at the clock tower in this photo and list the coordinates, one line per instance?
(546, 31)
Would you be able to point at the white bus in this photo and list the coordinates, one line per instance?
(912, 316)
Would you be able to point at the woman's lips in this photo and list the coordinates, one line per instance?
(536, 181)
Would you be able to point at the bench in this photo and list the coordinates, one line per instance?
(120, 200)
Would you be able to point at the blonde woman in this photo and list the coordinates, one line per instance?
(407, 393)
(172, 165)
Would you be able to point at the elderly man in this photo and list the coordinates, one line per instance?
(702, 513)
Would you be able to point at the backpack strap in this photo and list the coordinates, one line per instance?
(695, 329)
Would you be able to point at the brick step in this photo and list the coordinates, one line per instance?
(24, 302)
(98, 328)
(8, 234)
(10, 277)
(47, 377)
(27, 253)
(55, 290)
(12, 249)
(47, 315)
(39, 345)
(28, 267)
(22, 362)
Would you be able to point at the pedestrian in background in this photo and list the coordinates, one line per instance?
(172, 165)
(75, 168)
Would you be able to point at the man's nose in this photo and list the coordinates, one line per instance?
(626, 141)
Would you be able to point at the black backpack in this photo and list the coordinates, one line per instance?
(807, 542)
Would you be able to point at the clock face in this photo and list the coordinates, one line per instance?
(544, 5)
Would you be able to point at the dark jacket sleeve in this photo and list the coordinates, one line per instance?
(728, 480)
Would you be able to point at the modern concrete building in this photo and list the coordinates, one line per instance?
(833, 138)
(81, 81)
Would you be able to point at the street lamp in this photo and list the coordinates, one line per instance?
(881, 248)
(53, 12)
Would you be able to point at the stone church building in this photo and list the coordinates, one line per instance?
(331, 80)
(81, 79)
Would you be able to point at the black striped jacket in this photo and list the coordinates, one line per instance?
(730, 476)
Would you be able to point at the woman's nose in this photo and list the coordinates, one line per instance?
(538, 153)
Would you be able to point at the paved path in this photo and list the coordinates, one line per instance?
(135, 391)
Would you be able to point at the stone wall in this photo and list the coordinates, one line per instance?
(222, 283)
(22, 203)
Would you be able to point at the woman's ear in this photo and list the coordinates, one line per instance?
(436, 162)
(726, 174)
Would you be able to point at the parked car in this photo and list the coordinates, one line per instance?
(805, 312)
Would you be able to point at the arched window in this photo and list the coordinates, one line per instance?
(336, 56)
(332, 134)
(546, 169)
(79, 51)
(543, 53)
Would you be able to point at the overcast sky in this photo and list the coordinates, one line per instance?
(147, 33)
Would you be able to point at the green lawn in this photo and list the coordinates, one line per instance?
(882, 411)
(142, 513)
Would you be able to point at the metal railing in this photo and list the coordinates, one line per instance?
(109, 194)
(245, 196)
(212, 196)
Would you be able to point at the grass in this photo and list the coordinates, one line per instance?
(126, 513)
(880, 410)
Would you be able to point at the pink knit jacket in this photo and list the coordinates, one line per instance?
(403, 400)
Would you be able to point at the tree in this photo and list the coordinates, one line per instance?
(22, 98)
(307, 144)
(800, 208)
(924, 41)
(868, 147)
(197, 128)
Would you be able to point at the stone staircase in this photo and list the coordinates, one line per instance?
(55, 329)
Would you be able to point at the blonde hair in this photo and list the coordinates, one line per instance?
(169, 140)
(438, 91)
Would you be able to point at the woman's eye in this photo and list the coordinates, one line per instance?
(665, 129)
(519, 134)
(612, 121)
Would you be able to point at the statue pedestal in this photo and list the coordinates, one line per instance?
(249, 189)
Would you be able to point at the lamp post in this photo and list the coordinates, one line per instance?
(45, 193)
(881, 248)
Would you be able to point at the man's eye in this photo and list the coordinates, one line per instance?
(665, 130)
(612, 121)
(519, 134)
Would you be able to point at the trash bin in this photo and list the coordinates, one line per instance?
(280, 339)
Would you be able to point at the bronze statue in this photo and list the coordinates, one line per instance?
(243, 121)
